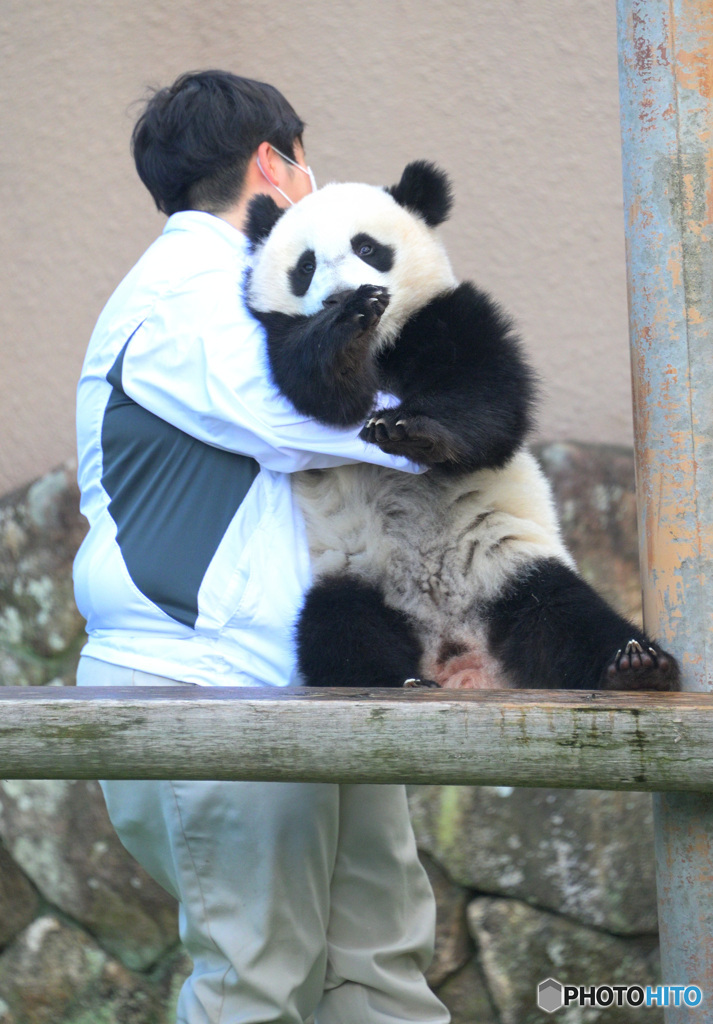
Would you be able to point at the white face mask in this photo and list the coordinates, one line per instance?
(305, 170)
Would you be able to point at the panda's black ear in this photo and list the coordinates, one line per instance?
(426, 190)
(263, 214)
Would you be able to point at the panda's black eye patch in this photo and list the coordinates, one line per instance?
(375, 254)
(302, 273)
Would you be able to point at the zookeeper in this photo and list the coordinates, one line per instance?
(294, 898)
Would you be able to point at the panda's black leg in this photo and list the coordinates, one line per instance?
(348, 636)
(551, 630)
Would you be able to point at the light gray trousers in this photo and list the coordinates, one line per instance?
(294, 898)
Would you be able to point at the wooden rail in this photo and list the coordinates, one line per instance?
(524, 738)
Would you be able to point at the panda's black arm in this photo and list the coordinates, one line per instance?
(323, 363)
(467, 393)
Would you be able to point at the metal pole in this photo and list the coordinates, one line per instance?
(666, 88)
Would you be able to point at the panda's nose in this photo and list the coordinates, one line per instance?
(336, 298)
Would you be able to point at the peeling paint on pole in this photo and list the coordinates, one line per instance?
(666, 75)
(666, 87)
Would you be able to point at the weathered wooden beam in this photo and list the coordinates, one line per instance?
(524, 738)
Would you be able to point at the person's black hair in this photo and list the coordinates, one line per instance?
(194, 139)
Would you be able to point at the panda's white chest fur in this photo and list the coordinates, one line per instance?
(439, 547)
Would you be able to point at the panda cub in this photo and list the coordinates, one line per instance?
(457, 576)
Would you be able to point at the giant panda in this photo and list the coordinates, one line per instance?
(458, 576)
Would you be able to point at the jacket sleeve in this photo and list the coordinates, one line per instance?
(198, 360)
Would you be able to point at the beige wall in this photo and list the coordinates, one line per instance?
(517, 100)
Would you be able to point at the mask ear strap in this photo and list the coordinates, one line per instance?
(276, 187)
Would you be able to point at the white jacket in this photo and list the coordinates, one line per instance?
(195, 562)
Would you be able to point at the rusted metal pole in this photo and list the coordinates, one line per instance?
(666, 87)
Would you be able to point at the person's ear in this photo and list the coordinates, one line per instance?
(269, 162)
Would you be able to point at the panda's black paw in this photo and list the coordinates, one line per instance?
(419, 438)
(642, 666)
(362, 309)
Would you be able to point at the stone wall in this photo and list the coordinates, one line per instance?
(529, 883)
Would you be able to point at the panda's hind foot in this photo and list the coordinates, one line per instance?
(421, 684)
(641, 666)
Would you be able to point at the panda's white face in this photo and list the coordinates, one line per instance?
(339, 238)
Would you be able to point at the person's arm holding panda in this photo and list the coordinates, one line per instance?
(212, 382)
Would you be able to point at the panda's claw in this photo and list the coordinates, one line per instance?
(421, 684)
(380, 431)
